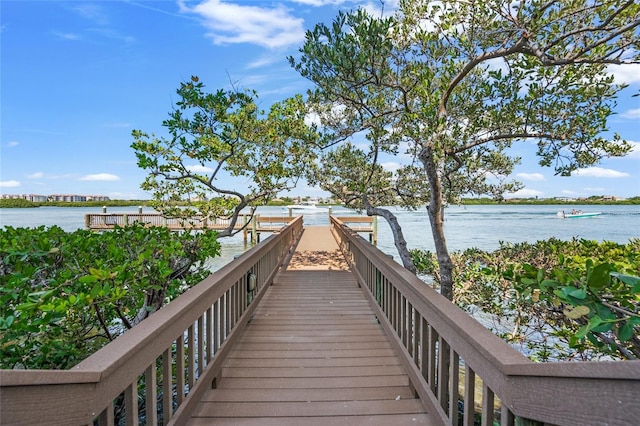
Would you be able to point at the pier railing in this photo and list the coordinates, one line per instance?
(161, 366)
(249, 224)
(463, 373)
(105, 221)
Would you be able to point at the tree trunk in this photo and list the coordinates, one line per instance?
(436, 218)
(398, 236)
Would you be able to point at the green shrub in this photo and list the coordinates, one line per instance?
(64, 295)
(554, 300)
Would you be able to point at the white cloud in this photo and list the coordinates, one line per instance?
(628, 73)
(390, 166)
(525, 193)
(36, 175)
(318, 3)
(635, 151)
(92, 12)
(67, 36)
(632, 114)
(531, 176)
(595, 190)
(9, 184)
(230, 23)
(100, 177)
(11, 144)
(264, 61)
(599, 172)
(197, 168)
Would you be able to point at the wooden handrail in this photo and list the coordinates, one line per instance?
(448, 353)
(174, 355)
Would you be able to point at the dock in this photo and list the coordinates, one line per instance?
(252, 226)
(312, 354)
(315, 326)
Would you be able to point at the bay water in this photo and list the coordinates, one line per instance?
(480, 226)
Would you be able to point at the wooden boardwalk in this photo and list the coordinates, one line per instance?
(313, 354)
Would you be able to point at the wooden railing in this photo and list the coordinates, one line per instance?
(164, 364)
(367, 224)
(257, 224)
(462, 372)
(104, 221)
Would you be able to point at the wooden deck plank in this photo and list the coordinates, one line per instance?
(332, 371)
(308, 408)
(382, 420)
(304, 395)
(311, 362)
(312, 354)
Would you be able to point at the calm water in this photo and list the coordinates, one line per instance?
(483, 227)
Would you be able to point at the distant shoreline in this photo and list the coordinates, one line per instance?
(20, 203)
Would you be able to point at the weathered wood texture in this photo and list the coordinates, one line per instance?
(313, 353)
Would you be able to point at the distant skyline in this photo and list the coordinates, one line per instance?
(78, 76)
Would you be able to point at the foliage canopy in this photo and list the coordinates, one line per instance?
(453, 84)
(220, 143)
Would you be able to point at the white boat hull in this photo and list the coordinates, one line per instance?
(577, 215)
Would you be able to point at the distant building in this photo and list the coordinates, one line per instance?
(28, 197)
(55, 197)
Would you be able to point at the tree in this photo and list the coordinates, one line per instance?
(220, 142)
(360, 182)
(459, 82)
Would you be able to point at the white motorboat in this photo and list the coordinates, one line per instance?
(306, 207)
(577, 214)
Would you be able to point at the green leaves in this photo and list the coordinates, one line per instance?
(63, 295)
(224, 137)
(560, 299)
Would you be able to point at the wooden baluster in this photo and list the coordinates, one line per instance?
(209, 335)
(200, 345)
(216, 326)
(469, 396)
(424, 349)
(106, 418)
(443, 372)
(180, 368)
(167, 388)
(433, 358)
(506, 416)
(404, 320)
(454, 381)
(487, 405)
(131, 404)
(227, 313)
(151, 394)
(191, 354)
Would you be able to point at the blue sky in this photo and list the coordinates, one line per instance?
(78, 76)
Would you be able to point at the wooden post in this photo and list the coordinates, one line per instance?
(254, 229)
(290, 212)
(104, 209)
(244, 229)
(125, 219)
(329, 215)
(375, 230)
(87, 221)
